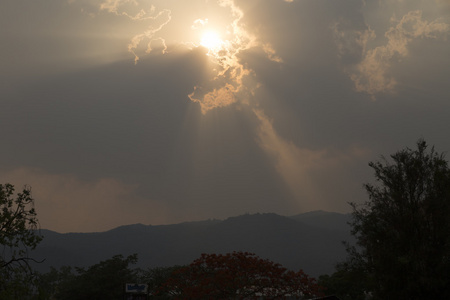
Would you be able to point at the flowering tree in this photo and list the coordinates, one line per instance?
(238, 275)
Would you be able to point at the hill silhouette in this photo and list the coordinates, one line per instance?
(310, 241)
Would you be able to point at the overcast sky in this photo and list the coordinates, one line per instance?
(164, 111)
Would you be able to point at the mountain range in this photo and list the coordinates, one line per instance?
(310, 241)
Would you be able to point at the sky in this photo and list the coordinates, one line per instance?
(165, 111)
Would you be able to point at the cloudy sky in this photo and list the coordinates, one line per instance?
(164, 111)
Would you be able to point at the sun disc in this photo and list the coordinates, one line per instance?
(211, 40)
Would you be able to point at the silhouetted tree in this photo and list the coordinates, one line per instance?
(49, 283)
(238, 275)
(18, 235)
(403, 230)
(156, 277)
(346, 283)
(105, 280)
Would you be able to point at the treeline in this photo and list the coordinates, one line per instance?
(237, 275)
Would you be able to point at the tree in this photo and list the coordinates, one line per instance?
(156, 277)
(47, 284)
(403, 230)
(105, 280)
(18, 235)
(346, 283)
(238, 275)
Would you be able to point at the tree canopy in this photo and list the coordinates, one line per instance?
(18, 235)
(104, 280)
(238, 275)
(403, 230)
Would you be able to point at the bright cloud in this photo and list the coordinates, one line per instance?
(158, 22)
(122, 7)
(372, 75)
(224, 88)
(199, 23)
(225, 85)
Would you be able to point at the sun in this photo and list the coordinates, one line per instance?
(211, 40)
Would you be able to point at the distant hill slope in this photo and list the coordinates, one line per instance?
(311, 241)
(326, 220)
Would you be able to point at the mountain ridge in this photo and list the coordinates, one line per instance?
(311, 241)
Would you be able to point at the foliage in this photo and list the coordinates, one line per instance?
(403, 230)
(18, 235)
(47, 284)
(105, 280)
(346, 283)
(156, 277)
(238, 275)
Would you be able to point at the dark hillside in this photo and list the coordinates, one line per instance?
(312, 242)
